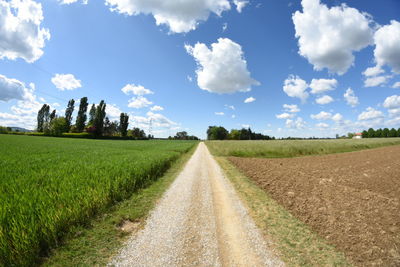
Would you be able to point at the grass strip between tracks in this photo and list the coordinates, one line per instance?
(292, 240)
(95, 244)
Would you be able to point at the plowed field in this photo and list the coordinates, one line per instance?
(351, 199)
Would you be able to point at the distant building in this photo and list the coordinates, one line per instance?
(357, 136)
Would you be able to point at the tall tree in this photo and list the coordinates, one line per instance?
(123, 124)
(385, 132)
(43, 118)
(68, 112)
(92, 115)
(81, 118)
(52, 115)
(100, 114)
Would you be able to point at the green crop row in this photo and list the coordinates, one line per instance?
(48, 185)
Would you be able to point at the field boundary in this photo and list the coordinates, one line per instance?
(97, 243)
(293, 241)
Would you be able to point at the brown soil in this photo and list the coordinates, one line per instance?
(350, 199)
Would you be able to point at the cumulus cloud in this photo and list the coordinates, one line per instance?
(373, 71)
(392, 102)
(240, 4)
(135, 90)
(14, 89)
(156, 108)
(285, 116)
(298, 124)
(370, 114)
(322, 125)
(396, 85)
(291, 108)
(139, 102)
(387, 48)
(294, 86)
(351, 98)
(221, 69)
(249, 100)
(337, 117)
(179, 16)
(319, 86)
(157, 121)
(322, 116)
(329, 36)
(219, 113)
(113, 112)
(21, 34)
(323, 100)
(66, 82)
(376, 81)
(230, 107)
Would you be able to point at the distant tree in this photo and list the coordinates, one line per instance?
(4, 130)
(100, 114)
(392, 132)
(43, 118)
(123, 124)
(81, 118)
(58, 126)
(52, 115)
(110, 128)
(371, 133)
(379, 133)
(181, 135)
(92, 115)
(234, 134)
(364, 134)
(216, 133)
(385, 132)
(137, 133)
(398, 132)
(350, 135)
(68, 112)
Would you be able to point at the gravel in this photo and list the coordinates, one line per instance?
(199, 221)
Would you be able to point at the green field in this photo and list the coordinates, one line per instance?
(294, 148)
(47, 185)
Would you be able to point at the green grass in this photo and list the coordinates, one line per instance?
(49, 185)
(294, 148)
(294, 242)
(96, 244)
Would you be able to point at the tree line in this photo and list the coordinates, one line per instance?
(183, 136)
(380, 133)
(98, 124)
(220, 133)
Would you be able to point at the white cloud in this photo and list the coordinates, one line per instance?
(370, 114)
(373, 71)
(224, 26)
(291, 108)
(245, 125)
(230, 107)
(387, 49)
(375, 81)
(285, 116)
(240, 4)
(322, 116)
(337, 117)
(294, 86)
(322, 125)
(329, 36)
(299, 123)
(233, 116)
(221, 69)
(135, 90)
(179, 16)
(189, 78)
(249, 100)
(350, 97)
(156, 108)
(21, 34)
(156, 120)
(396, 85)
(139, 102)
(113, 112)
(319, 86)
(323, 100)
(14, 89)
(67, 2)
(66, 82)
(392, 102)
(219, 113)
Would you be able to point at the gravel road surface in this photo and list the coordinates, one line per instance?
(200, 221)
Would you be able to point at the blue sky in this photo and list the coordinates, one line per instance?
(203, 60)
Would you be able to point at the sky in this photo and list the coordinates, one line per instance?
(284, 68)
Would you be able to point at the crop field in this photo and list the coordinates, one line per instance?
(294, 148)
(48, 185)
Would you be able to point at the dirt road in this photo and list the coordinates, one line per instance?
(200, 221)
